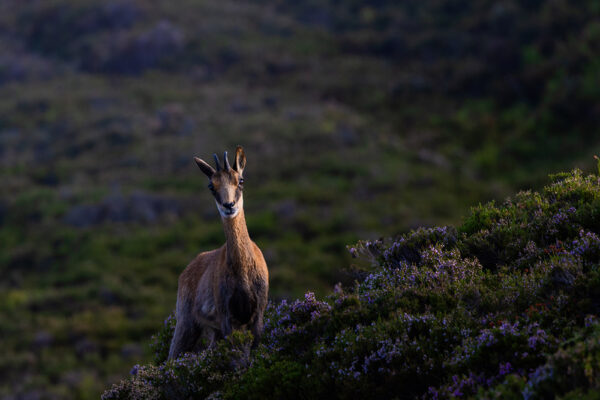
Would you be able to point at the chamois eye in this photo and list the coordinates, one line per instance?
(211, 187)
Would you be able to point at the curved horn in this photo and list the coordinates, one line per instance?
(226, 162)
(217, 162)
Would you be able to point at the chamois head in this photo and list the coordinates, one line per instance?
(226, 183)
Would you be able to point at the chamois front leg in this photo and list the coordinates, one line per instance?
(226, 326)
(223, 308)
(186, 332)
(184, 337)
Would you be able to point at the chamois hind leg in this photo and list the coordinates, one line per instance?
(212, 337)
(207, 338)
(184, 338)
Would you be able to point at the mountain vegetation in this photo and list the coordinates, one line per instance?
(504, 306)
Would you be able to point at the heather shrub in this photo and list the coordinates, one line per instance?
(193, 375)
(405, 248)
(572, 372)
(161, 341)
(496, 308)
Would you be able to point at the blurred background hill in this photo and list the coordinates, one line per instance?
(360, 119)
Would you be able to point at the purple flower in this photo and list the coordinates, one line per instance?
(505, 369)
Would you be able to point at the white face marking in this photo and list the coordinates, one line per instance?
(230, 213)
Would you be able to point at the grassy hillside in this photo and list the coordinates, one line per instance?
(360, 120)
(504, 306)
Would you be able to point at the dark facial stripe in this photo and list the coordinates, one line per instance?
(217, 197)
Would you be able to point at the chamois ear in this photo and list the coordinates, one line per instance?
(207, 169)
(240, 160)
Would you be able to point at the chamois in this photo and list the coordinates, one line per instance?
(225, 288)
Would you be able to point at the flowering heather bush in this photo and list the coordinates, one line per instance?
(505, 306)
(161, 341)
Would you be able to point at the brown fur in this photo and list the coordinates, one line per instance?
(226, 288)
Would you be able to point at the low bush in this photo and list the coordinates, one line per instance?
(504, 306)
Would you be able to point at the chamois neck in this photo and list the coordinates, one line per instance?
(239, 245)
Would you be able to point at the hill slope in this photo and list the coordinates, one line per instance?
(506, 305)
(361, 119)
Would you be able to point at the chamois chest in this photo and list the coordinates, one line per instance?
(242, 304)
(241, 297)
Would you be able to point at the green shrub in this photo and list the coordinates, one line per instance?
(499, 308)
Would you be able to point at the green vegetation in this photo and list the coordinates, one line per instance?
(360, 120)
(504, 307)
